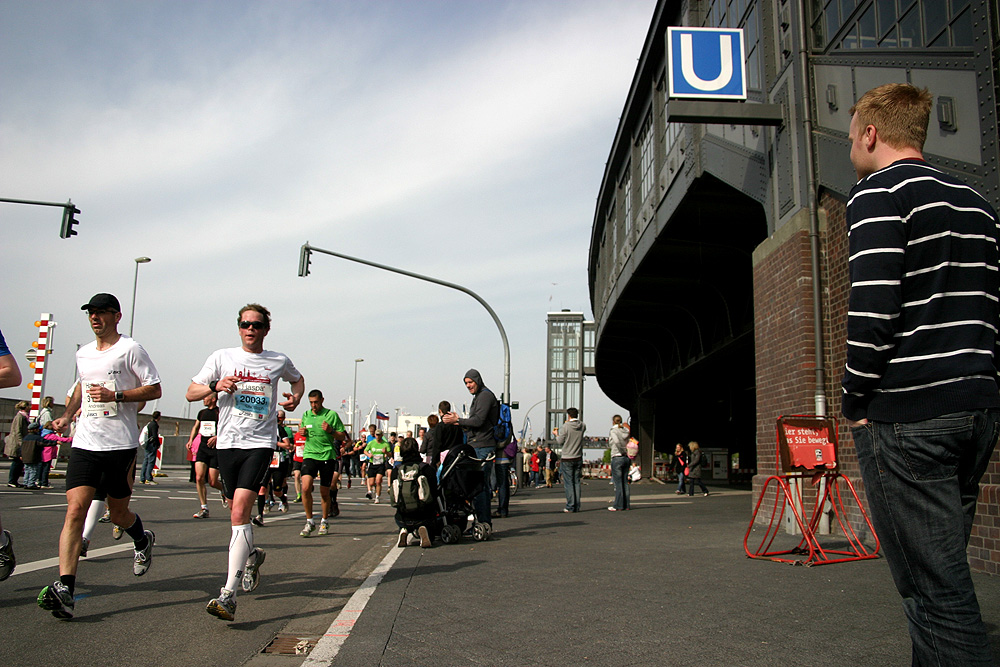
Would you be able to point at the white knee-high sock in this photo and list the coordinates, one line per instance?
(94, 513)
(240, 547)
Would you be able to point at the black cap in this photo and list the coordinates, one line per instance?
(102, 302)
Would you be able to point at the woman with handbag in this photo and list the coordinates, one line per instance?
(618, 440)
(694, 469)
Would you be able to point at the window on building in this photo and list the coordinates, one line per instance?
(646, 157)
(626, 199)
(891, 24)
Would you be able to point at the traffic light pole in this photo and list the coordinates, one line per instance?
(69, 210)
(304, 260)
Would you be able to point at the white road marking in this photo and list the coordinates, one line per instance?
(329, 644)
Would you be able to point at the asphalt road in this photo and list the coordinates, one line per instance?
(160, 618)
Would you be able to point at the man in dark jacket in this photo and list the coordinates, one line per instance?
(483, 416)
(150, 445)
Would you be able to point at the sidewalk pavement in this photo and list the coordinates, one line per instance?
(666, 583)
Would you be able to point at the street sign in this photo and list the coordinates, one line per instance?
(706, 63)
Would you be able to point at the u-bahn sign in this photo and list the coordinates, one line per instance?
(706, 63)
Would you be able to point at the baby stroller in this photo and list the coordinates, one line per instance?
(461, 480)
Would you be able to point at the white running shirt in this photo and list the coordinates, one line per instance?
(105, 427)
(248, 418)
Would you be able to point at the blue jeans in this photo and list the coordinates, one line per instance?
(32, 472)
(147, 466)
(680, 482)
(503, 486)
(619, 475)
(572, 473)
(922, 482)
(482, 501)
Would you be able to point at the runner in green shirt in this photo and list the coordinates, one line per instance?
(323, 431)
(379, 454)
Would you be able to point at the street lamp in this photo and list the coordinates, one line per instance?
(135, 283)
(354, 408)
(305, 255)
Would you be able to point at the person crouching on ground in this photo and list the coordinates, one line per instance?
(415, 500)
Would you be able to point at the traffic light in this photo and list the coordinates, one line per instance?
(68, 221)
(305, 256)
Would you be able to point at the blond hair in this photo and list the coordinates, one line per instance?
(899, 111)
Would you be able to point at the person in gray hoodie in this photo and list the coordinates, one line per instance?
(483, 416)
(570, 438)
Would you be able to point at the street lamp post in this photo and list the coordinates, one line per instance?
(135, 283)
(354, 408)
(305, 259)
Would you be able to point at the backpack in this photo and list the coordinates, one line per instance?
(503, 432)
(411, 492)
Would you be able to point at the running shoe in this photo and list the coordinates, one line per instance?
(335, 509)
(402, 538)
(298, 498)
(7, 560)
(368, 495)
(224, 606)
(201, 514)
(145, 557)
(425, 537)
(258, 521)
(56, 598)
(323, 529)
(117, 532)
(251, 574)
(309, 528)
(348, 482)
(83, 547)
(281, 507)
(106, 517)
(377, 499)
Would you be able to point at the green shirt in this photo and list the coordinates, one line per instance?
(378, 451)
(320, 445)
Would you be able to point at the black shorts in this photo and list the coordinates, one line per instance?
(208, 455)
(278, 476)
(296, 465)
(375, 469)
(110, 472)
(243, 469)
(322, 469)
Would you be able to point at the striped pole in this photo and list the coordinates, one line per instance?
(37, 386)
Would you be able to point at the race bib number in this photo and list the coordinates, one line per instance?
(253, 400)
(207, 429)
(95, 409)
(275, 460)
(378, 459)
(300, 450)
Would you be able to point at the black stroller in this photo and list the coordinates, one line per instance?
(461, 480)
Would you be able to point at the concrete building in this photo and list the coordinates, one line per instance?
(718, 255)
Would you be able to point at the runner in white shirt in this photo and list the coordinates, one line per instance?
(246, 379)
(116, 375)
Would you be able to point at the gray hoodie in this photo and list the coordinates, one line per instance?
(570, 438)
(483, 414)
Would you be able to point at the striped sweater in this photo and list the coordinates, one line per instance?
(923, 316)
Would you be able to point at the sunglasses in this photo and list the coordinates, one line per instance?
(245, 324)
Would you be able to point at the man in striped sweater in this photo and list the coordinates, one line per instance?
(920, 386)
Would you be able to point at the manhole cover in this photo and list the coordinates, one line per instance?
(291, 645)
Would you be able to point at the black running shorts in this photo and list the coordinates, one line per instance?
(111, 472)
(208, 455)
(322, 469)
(374, 470)
(243, 468)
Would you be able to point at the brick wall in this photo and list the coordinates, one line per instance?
(786, 366)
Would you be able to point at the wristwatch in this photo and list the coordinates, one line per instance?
(213, 384)
(119, 396)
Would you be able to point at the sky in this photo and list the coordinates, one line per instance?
(465, 141)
